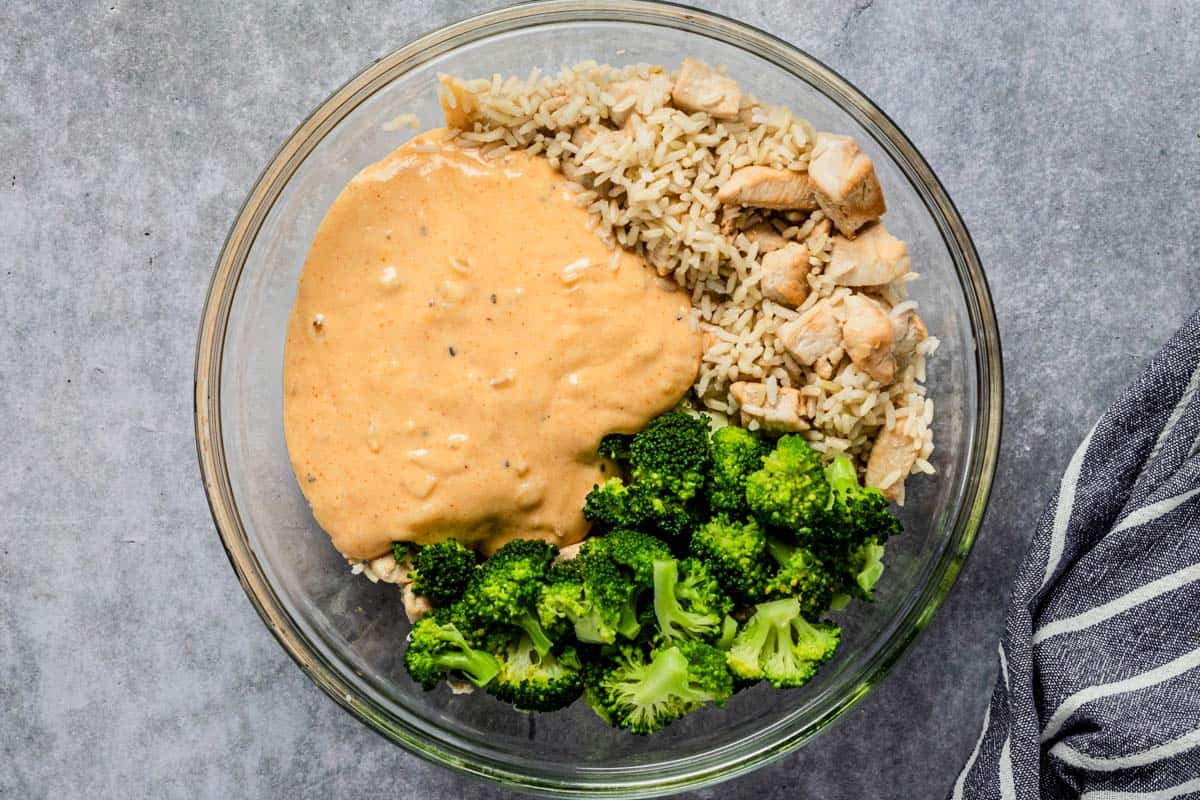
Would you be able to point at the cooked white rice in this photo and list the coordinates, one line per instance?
(650, 186)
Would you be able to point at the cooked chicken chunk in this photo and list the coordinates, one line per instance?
(701, 88)
(892, 458)
(869, 337)
(874, 258)
(813, 335)
(766, 237)
(910, 331)
(568, 553)
(845, 183)
(783, 415)
(638, 95)
(457, 103)
(766, 187)
(785, 274)
(415, 605)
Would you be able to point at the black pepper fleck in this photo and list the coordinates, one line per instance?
(493, 299)
(453, 352)
(506, 465)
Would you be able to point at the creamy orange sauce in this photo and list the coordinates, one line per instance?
(459, 344)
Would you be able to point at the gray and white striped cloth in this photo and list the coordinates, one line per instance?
(1099, 689)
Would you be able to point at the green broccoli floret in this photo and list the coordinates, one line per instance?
(790, 491)
(862, 511)
(866, 565)
(436, 647)
(442, 570)
(504, 589)
(644, 694)
(857, 523)
(803, 576)
(780, 645)
(736, 554)
(592, 593)
(534, 682)
(633, 550)
(612, 505)
(688, 601)
(402, 551)
(615, 446)
(736, 453)
(671, 456)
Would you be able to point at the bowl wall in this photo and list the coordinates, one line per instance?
(347, 633)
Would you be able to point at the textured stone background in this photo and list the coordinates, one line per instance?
(132, 666)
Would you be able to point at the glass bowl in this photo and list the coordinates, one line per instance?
(347, 633)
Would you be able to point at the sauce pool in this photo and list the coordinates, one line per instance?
(459, 344)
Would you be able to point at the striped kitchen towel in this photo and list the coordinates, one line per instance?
(1099, 689)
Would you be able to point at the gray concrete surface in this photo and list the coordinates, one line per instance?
(132, 666)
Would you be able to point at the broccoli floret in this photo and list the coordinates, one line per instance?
(688, 601)
(436, 647)
(402, 551)
(442, 570)
(534, 682)
(736, 453)
(591, 593)
(860, 511)
(671, 456)
(856, 525)
(866, 565)
(612, 505)
(633, 550)
(615, 446)
(780, 645)
(803, 576)
(504, 589)
(644, 694)
(615, 505)
(736, 554)
(790, 491)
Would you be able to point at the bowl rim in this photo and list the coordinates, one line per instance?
(693, 771)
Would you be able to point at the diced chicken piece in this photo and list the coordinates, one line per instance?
(568, 553)
(386, 569)
(460, 686)
(638, 95)
(415, 605)
(785, 274)
(457, 103)
(814, 335)
(869, 337)
(783, 415)
(767, 187)
(892, 458)
(766, 237)
(845, 183)
(701, 88)
(874, 258)
(910, 331)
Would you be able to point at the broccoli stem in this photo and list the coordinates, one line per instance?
(478, 666)
(537, 636)
(780, 551)
(841, 475)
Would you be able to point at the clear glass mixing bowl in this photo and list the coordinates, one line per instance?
(347, 633)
